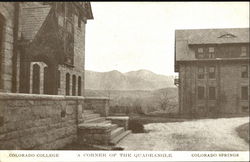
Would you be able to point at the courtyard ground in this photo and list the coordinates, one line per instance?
(195, 135)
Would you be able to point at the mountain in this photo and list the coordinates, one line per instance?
(133, 80)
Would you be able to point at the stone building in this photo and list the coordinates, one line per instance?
(213, 67)
(42, 47)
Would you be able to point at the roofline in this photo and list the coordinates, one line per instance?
(211, 29)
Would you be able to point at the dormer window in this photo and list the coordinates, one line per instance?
(200, 53)
(211, 52)
(227, 35)
(243, 51)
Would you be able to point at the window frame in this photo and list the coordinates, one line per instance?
(201, 73)
(201, 97)
(212, 75)
(243, 53)
(200, 54)
(244, 96)
(210, 96)
(244, 74)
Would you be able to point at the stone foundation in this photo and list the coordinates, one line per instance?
(94, 133)
(29, 121)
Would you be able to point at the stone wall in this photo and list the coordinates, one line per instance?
(6, 51)
(98, 104)
(38, 121)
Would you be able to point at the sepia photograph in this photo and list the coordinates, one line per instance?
(161, 78)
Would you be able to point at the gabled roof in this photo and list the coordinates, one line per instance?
(213, 36)
(33, 16)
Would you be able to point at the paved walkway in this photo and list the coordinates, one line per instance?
(198, 135)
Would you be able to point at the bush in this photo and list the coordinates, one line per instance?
(136, 126)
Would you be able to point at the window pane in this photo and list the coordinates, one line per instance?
(244, 93)
(243, 51)
(211, 49)
(211, 72)
(212, 93)
(201, 92)
(244, 71)
(200, 72)
(200, 50)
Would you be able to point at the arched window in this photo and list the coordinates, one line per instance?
(73, 85)
(79, 86)
(2, 22)
(67, 84)
(36, 79)
(46, 81)
(58, 79)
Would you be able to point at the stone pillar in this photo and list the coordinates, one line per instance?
(42, 65)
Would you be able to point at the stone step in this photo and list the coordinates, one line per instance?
(119, 137)
(116, 132)
(95, 120)
(88, 111)
(114, 126)
(90, 116)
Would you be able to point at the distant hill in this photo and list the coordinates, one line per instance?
(133, 80)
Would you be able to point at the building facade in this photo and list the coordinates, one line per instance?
(213, 67)
(42, 47)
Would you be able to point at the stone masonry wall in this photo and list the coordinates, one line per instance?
(38, 121)
(98, 104)
(6, 53)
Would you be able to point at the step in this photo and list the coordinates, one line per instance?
(119, 137)
(88, 111)
(95, 120)
(91, 116)
(116, 132)
(114, 126)
(107, 122)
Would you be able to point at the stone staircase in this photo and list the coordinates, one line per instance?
(105, 131)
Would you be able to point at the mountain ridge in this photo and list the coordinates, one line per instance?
(132, 80)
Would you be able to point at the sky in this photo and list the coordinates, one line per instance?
(129, 36)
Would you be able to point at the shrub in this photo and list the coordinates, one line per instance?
(136, 126)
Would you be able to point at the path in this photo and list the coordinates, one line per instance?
(198, 135)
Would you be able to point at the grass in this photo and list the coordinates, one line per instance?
(243, 131)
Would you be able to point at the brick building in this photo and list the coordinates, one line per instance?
(42, 47)
(213, 67)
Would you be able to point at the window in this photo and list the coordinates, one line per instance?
(211, 72)
(201, 72)
(201, 93)
(67, 83)
(200, 53)
(243, 51)
(211, 52)
(36, 79)
(79, 21)
(244, 109)
(212, 93)
(244, 71)
(73, 85)
(244, 93)
(79, 86)
(58, 79)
